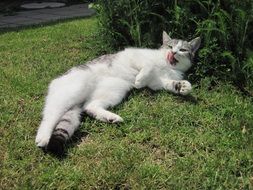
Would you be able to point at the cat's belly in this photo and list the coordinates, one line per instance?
(123, 72)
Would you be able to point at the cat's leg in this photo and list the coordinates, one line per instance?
(64, 93)
(51, 115)
(109, 92)
(97, 109)
(182, 87)
(64, 130)
(143, 77)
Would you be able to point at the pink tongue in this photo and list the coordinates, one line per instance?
(170, 57)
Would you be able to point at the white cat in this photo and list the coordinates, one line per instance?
(103, 83)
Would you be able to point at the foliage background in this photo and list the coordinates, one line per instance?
(225, 26)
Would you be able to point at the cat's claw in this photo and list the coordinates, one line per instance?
(183, 87)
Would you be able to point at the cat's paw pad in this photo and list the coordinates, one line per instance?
(42, 139)
(183, 87)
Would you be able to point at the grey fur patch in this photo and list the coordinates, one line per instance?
(65, 120)
(83, 66)
(61, 132)
(104, 59)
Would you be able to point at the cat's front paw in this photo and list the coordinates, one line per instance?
(42, 138)
(182, 87)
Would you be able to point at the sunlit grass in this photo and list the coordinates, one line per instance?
(204, 141)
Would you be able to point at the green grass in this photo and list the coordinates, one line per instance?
(166, 141)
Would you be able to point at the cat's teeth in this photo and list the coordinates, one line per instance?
(174, 62)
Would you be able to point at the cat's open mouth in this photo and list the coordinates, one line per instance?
(171, 58)
(174, 62)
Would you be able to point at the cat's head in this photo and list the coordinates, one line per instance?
(180, 53)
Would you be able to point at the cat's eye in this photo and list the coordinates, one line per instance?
(170, 46)
(183, 50)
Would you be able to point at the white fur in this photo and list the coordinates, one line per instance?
(101, 86)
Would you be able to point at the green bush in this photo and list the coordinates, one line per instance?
(225, 26)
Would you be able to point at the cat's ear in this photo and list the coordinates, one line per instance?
(195, 43)
(166, 38)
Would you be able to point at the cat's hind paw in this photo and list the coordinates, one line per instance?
(182, 87)
(138, 84)
(110, 118)
(116, 119)
(42, 139)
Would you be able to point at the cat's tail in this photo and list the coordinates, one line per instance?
(64, 130)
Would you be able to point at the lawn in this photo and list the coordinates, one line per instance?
(203, 141)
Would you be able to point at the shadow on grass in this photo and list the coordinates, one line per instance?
(40, 25)
(59, 150)
(181, 98)
(189, 98)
